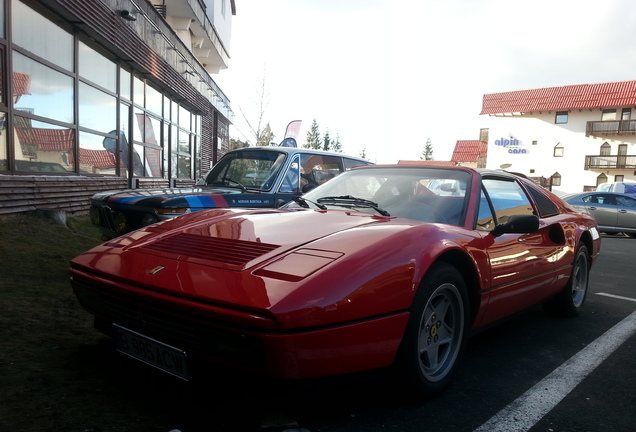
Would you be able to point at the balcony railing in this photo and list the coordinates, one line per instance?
(601, 162)
(612, 127)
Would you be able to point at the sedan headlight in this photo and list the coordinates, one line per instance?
(148, 219)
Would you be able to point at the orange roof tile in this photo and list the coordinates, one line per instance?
(604, 95)
(469, 150)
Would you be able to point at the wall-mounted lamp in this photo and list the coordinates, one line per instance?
(127, 15)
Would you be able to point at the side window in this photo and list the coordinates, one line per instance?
(507, 199)
(317, 169)
(544, 205)
(291, 181)
(350, 163)
(624, 201)
(603, 199)
(485, 218)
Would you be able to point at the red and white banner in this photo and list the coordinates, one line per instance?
(293, 128)
(153, 156)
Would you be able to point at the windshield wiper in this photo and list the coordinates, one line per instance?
(239, 184)
(351, 201)
(303, 202)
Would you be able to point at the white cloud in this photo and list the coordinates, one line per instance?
(387, 75)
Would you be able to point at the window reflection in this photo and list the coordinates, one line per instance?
(43, 147)
(97, 110)
(138, 91)
(181, 158)
(2, 75)
(42, 37)
(45, 92)
(4, 166)
(153, 100)
(95, 67)
(148, 130)
(184, 118)
(124, 83)
(95, 156)
(106, 138)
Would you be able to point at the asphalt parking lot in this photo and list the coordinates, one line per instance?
(532, 373)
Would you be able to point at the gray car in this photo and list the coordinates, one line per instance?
(614, 212)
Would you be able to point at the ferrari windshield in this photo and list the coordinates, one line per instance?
(426, 194)
(247, 170)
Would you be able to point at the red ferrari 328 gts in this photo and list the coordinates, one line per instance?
(381, 266)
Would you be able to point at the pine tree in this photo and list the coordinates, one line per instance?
(313, 137)
(326, 142)
(427, 154)
(335, 145)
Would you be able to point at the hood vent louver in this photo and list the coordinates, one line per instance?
(227, 251)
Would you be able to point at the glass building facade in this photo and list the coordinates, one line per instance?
(70, 105)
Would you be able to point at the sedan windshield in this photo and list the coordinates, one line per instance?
(425, 194)
(247, 170)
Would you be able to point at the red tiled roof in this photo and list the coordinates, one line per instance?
(21, 83)
(426, 162)
(46, 139)
(469, 150)
(98, 158)
(604, 95)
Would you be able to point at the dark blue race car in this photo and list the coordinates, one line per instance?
(265, 177)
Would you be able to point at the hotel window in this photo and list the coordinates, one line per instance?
(558, 150)
(626, 114)
(561, 117)
(602, 178)
(608, 115)
(556, 179)
(606, 149)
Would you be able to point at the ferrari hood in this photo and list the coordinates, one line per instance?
(239, 239)
(253, 258)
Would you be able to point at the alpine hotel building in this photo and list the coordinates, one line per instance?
(108, 94)
(569, 139)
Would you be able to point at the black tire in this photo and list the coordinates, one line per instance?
(436, 332)
(569, 301)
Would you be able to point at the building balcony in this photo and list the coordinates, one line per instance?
(603, 163)
(612, 127)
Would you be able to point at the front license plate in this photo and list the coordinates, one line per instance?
(158, 354)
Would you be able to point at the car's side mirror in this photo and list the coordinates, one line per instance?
(517, 224)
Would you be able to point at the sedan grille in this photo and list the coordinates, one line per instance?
(227, 251)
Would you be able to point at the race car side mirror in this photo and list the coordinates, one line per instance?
(517, 224)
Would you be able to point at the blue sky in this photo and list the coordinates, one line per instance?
(386, 76)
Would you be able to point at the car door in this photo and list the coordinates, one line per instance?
(625, 212)
(523, 266)
(603, 207)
